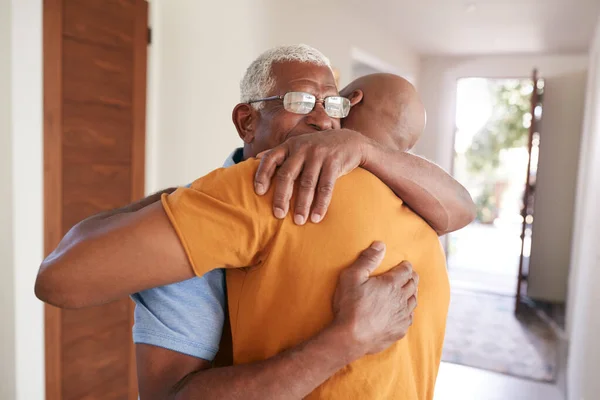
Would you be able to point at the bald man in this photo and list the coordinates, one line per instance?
(287, 298)
(389, 110)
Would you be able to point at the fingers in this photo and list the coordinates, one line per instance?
(411, 304)
(306, 189)
(360, 271)
(330, 173)
(399, 275)
(284, 184)
(268, 164)
(410, 288)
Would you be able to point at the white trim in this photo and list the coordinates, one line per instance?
(28, 196)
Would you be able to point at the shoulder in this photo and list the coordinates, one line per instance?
(237, 180)
(241, 174)
(361, 184)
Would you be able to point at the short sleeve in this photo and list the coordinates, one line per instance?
(220, 221)
(186, 317)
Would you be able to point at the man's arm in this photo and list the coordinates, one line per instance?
(427, 189)
(194, 230)
(112, 256)
(369, 315)
(318, 160)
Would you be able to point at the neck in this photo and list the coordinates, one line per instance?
(247, 153)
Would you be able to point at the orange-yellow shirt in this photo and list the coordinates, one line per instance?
(284, 295)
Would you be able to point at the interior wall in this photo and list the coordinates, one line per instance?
(561, 129)
(342, 35)
(583, 318)
(27, 194)
(199, 54)
(7, 290)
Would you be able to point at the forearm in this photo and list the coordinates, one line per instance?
(292, 374)
(426, 188)
(107, 257)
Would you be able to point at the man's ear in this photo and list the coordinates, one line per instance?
(245, 118)
(355, 97)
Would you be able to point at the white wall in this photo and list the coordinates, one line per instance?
(341, 34)
(21, 182)
(583, 318)
(200, 53)
(7, 290)
(561, 128)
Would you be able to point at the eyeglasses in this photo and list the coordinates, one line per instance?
(304, 103)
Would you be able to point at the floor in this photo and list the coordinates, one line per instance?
(526, 348)
(500, 248)
(457, 382)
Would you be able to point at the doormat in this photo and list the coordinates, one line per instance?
(484, 332)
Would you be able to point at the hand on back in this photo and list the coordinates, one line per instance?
(374, 312)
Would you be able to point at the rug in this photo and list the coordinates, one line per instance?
(483, 332)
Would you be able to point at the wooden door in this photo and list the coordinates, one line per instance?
(94, 139)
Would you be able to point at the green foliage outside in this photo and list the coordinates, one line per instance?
(507, 128)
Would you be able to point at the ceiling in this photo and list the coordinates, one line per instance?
(469, 27)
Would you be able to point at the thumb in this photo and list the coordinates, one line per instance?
(360, 271)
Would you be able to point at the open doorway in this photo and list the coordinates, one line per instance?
(495, 158)
(493, 118)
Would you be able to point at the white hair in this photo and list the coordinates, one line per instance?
(258, 80)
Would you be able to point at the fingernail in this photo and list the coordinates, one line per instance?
(299, 219)
(260, 188)
(279, 213)
(379, 246)
(316, 218)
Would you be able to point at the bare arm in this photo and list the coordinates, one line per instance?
(112, 255)
(358, 328)
(292, 374)
(432, 193)
(318, 160)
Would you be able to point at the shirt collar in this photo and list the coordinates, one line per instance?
(237, 156)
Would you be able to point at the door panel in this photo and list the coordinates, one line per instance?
(94, 110)
(97, 74)
(96, 133)
(104, 22)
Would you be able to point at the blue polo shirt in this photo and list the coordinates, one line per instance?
(188, 316)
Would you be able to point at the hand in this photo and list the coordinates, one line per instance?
(318, 159)
(374, 312)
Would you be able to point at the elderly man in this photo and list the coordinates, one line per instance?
(181, 324)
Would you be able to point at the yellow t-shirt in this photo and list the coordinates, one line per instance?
(284, 294)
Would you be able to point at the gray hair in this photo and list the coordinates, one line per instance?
(258, 80)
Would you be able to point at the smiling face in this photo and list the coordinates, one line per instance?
(271, 125)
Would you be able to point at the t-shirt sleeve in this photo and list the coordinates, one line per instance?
(220, 221)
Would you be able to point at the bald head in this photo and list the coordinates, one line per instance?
(390, 112)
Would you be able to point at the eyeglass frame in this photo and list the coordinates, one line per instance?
(317, 100)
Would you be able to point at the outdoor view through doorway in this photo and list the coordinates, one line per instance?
(493, 118)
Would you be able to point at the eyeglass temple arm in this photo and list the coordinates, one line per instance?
(266, 99)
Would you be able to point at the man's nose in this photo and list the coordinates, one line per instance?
(319, 119)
